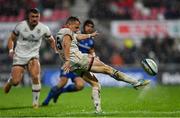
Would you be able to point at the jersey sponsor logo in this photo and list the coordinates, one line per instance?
(30, 38)
(25, 30)
(38, 31)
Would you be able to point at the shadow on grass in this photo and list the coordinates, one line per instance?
(22, 107)
(91, 114)
(14, 107)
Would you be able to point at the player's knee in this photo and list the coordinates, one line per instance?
(79, 86)
(15, 82)
(63, 81)
(107, 69)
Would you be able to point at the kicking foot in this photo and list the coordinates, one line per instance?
(141, 83)
(7, 88)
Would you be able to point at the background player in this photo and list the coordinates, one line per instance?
(28, 36)
(85, 46)
(83, 63)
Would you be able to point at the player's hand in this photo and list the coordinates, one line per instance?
(97, 57)
(11, 53)
(94, 34)
(66, 66)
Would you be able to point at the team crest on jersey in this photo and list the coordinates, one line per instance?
(32, 36)
(38, 31)
(25, 30)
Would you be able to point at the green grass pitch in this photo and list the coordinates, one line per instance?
(163, 101)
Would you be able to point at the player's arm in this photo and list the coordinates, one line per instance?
(85, 36)
(92, 52)
(11, 41)
(50, 38)
(66, 44)
(52, 43)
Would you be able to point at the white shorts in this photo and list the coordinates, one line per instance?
(22, 61)
(84, 62)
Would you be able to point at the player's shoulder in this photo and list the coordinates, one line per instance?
(42, 25)
(65, 31)
(21, 23)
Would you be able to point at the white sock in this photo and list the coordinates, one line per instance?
(10, 80)
(36, 93)
(123, 77)
(96, 98)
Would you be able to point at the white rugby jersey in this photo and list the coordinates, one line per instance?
(29, 41)
(75, 54)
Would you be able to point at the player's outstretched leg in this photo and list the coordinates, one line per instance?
(100, 67)
(123, 77)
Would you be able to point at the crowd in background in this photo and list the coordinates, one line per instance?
(164, 49)
(135, 9)
(11, 10)
(51, 10)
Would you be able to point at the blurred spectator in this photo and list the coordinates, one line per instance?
(129, 52)
(13, 10)
(138, 10)
(117, 59)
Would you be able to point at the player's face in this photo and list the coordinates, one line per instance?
(75, 26)
(89, 28)
(34, 18)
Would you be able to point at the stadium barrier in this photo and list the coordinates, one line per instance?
(169, 75)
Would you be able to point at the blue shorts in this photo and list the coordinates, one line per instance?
(70, 75)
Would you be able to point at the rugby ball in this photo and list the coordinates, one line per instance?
(149, 66)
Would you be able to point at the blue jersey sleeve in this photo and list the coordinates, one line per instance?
(86, 45)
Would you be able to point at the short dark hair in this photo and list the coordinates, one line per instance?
(33, 10)
(72, 19)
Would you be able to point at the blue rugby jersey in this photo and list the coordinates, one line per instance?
(86, 45)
